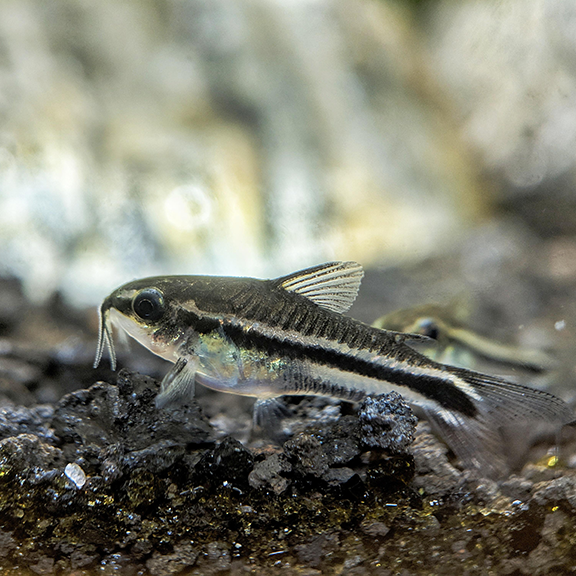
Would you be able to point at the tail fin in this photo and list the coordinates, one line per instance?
(477, 440)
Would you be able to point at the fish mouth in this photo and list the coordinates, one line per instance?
(105, 339)
(111, 317)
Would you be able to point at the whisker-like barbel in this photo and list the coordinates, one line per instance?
(288, 336)
(105, 339)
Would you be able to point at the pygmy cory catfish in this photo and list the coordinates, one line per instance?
(454, 343)
(287, 336)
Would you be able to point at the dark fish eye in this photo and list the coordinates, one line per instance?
(149, 304)
(427, 327)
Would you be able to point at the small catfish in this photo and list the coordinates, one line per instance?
(456, 344)
(288, 336)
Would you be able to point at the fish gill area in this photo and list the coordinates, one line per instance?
(94, 479)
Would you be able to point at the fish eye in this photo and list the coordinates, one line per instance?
(149, 304)
(428, 327)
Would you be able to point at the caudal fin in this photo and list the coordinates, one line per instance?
(477, 439)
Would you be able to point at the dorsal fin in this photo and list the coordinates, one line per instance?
(333, 286)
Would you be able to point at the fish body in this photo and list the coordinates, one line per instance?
(456, 344)
(288, 336)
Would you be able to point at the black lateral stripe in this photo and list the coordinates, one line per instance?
(318, 386)
(438, 389)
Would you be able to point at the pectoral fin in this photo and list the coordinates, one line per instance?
(178, 384)
(268, 416)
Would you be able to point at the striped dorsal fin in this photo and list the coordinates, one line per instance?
(333, 286)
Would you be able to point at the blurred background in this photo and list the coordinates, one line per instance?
(434, 142)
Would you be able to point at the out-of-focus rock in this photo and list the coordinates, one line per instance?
(183, 556)
(154, 140)
(511, 76)
(15, 420)
(12, 304)
(435, 474)
(557, 490)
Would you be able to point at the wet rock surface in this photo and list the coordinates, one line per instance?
(106, 481)
(99, 481)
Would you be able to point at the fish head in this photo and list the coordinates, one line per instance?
(146, 310)
(429, 326)
(428, 320)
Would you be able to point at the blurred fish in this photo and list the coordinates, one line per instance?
(288, 336)
(457, 345)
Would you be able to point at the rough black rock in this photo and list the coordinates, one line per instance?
(112, 429)
(104, 482)
(330, 451)
(105, 478)
(387, 422)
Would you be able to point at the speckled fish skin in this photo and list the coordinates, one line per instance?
(288, 336)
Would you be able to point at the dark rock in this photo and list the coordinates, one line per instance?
(313, 552)
(183, 556)
(111, 462)
(27, 456)
(89, 416)
(229, 462)
(118, 428)
(307, 455)
(123, 482)
(387, 422)
(392, 475)
(384, 422)
(314, 451)
(341, 441)
(155, 458)
(271, 473)
(338, 476)
(15, 420)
